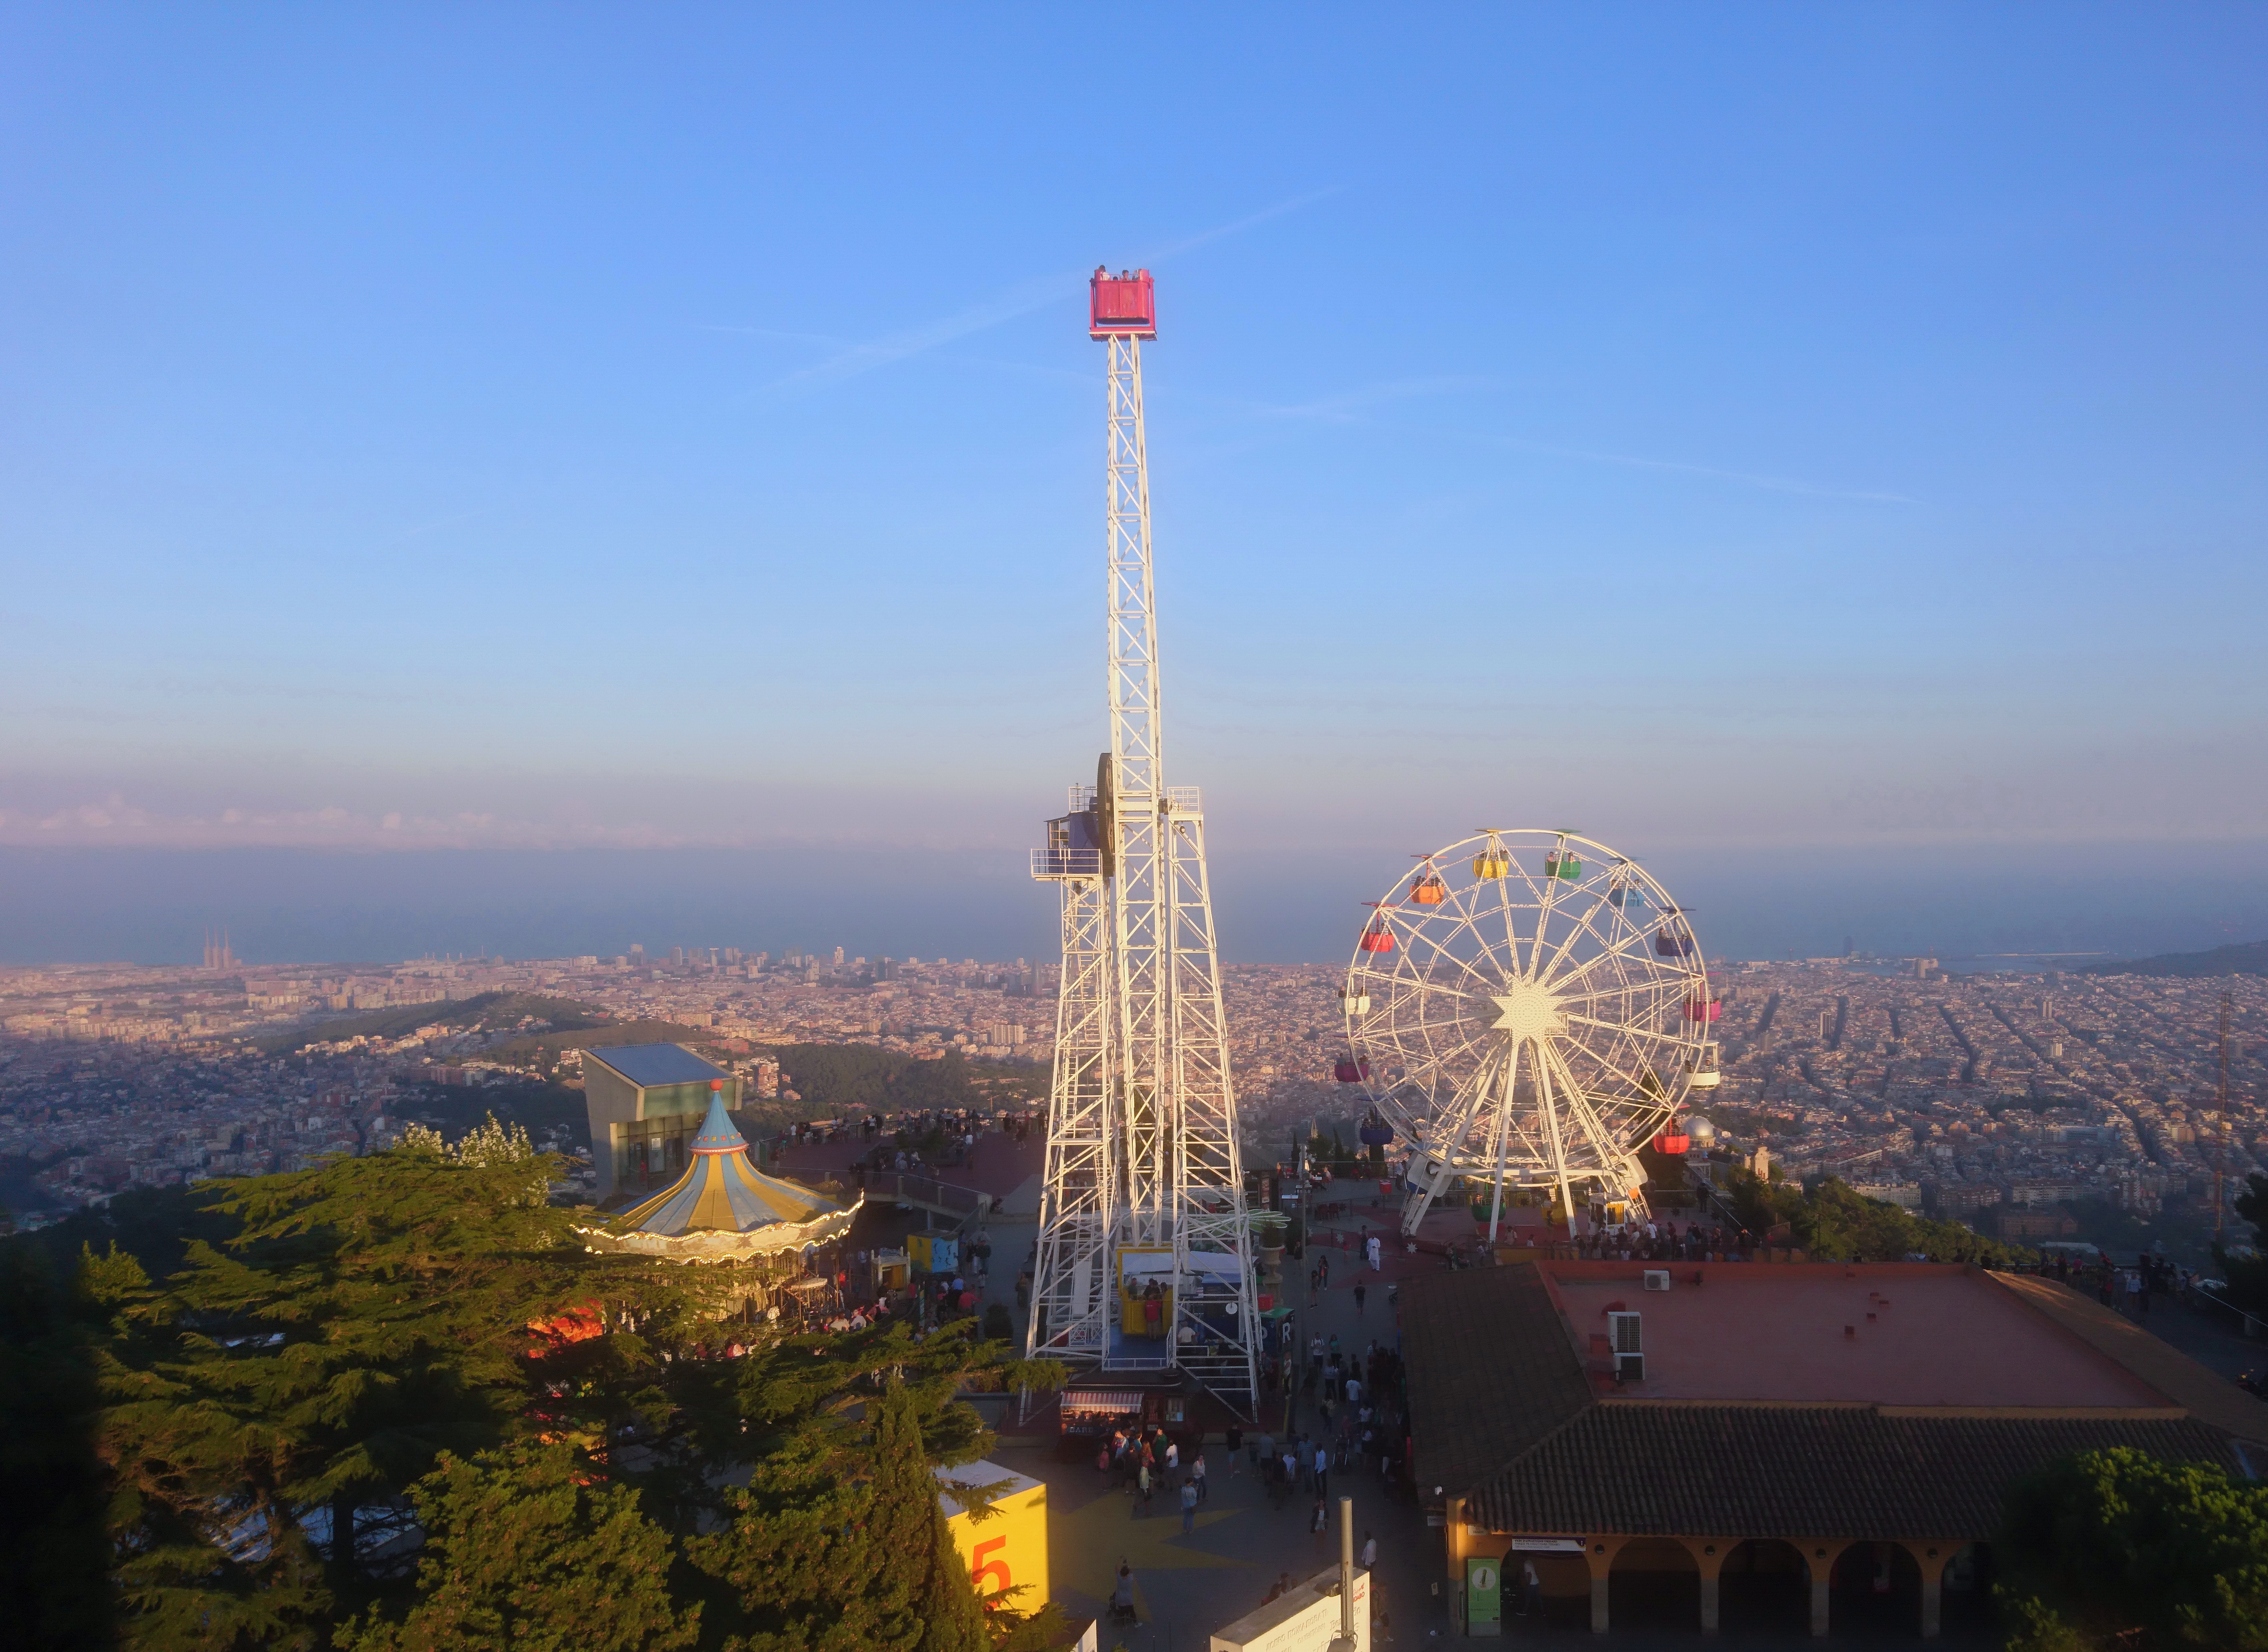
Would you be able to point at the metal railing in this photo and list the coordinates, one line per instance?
(964, 1202)
(2248, 1323)
(1066, 863)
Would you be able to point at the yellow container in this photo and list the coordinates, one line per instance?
(1007, 1548)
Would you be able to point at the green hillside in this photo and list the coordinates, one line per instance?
(485, 1012)
(2246, 958)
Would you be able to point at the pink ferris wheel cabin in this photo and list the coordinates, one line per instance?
(1122, 305)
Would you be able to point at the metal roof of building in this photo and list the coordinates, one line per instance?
(649, 1064)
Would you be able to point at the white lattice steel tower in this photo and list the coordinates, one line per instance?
(1145, 1250)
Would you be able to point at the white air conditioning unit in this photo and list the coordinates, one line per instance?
(1657, 1279)
(1629, 1351)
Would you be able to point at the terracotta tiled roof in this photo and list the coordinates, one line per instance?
(1844, 1471)
(1490, 1372)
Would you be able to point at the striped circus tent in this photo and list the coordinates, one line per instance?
(722, 1208)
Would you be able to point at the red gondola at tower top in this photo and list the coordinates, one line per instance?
(1122, 305)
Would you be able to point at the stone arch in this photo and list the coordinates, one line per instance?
(1876, 1584)
(1655, 1583)
(1765, 1585)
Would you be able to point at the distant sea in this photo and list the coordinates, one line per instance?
(153, 906)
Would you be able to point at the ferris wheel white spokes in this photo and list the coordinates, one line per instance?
(1527, 1008)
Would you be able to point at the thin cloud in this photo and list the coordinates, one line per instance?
(1747, 478)
(1353, 407)
(437, 524)
(1344, 410)
(1020, 300)
(831, 341)
(1206, 238)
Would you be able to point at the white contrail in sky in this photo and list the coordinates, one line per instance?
(1021, 299)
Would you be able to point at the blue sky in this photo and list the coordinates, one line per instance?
(1833, 434)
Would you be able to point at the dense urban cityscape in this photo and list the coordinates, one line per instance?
(2032, 1106)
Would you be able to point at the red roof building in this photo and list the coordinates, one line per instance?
(1770, 1441)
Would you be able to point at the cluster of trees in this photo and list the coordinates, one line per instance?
(1334, 1152)
(2117, 1552)
(391, 1402)
(2247, 1275)
(875, 1080)
(1831, 1222)
(480, 1012)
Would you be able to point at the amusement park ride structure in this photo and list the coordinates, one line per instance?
(1525, 1010)
(1144, 1242)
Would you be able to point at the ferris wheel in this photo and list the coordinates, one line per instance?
(1527, 1008)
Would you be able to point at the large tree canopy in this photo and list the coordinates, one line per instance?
(2115, 1549)
(394, 1401)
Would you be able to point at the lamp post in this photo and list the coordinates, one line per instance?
(1346, 1642)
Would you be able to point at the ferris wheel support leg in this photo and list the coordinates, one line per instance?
(1554, 1143)
(1503, 1137)
(1423, 1193)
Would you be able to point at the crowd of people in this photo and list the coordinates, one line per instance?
(1662, 1240)
(1358, 1424)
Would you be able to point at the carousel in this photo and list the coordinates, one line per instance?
(725, 1210)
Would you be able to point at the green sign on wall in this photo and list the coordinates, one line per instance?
(1483, 1592)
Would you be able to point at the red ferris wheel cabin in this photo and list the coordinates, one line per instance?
(1122, 305)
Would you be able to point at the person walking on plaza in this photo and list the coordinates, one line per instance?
(1319, 1523)
(1234, 1443)
(1323, 1469)
(1190, 1507)
(1197, 1475)
(1369, 1553)
(1359, 1292)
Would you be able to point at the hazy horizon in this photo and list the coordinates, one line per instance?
(299, 906)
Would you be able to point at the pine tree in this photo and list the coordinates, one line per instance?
(795, 1566)
(523, 1553)
(910, 1536)
(839, 1541)
(370, 1313)
(55, 1549)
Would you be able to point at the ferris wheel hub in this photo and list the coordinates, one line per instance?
(1527, 1011)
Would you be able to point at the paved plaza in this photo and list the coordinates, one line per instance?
(1188, 1586)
